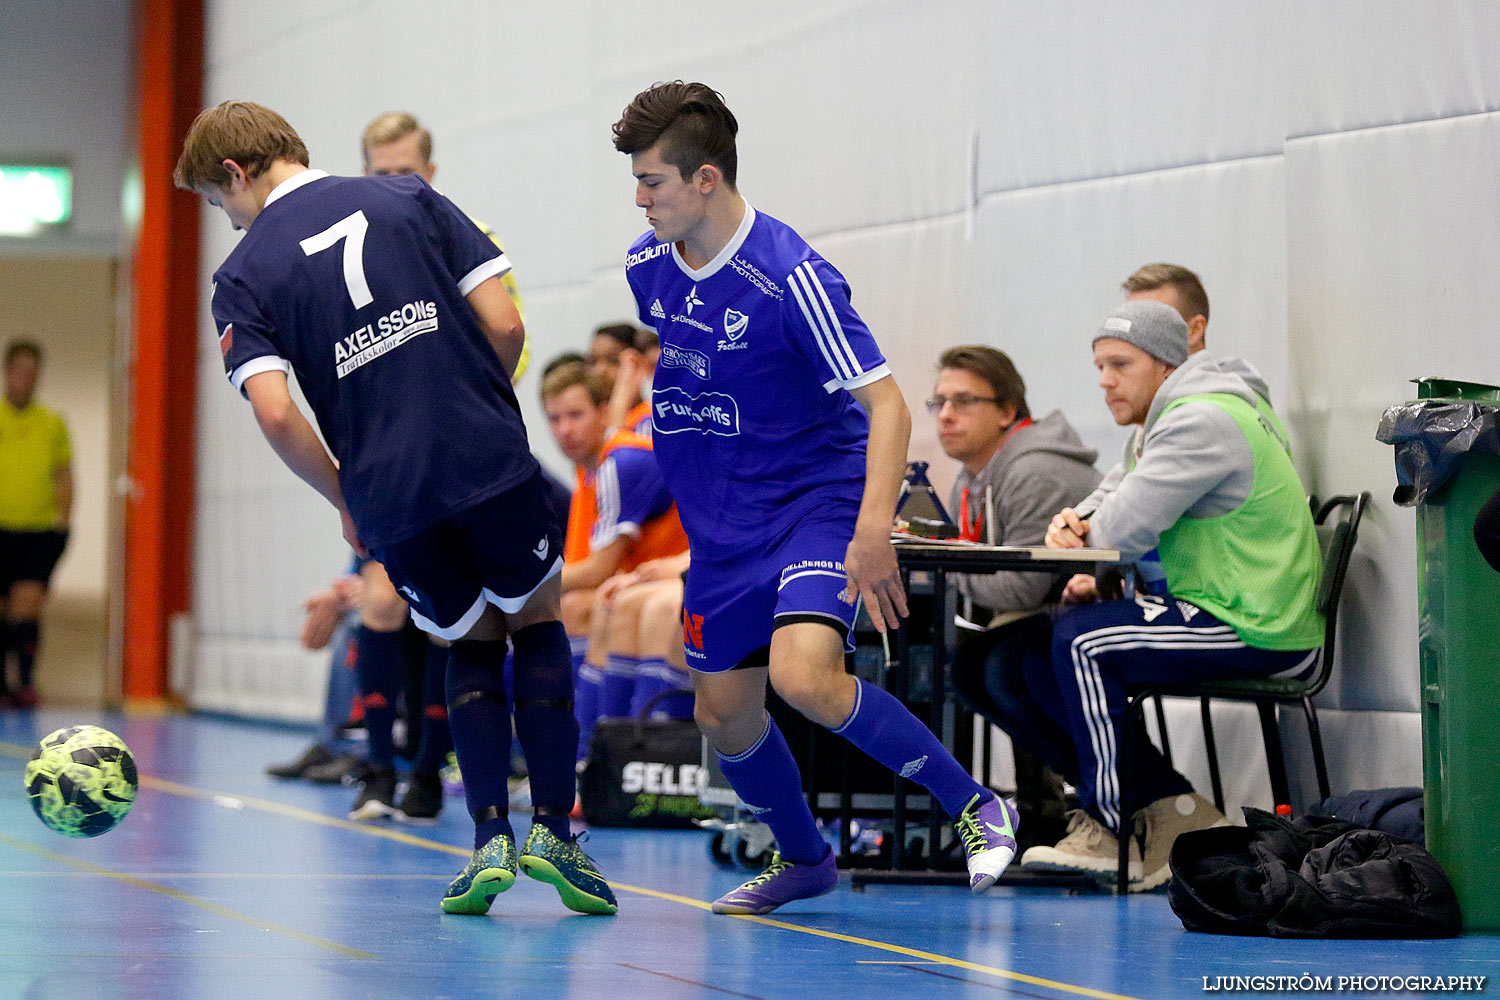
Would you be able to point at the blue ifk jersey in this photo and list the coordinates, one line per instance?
(357, 285)
(752, 421)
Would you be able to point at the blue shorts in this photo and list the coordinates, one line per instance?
(731, 607)
(497, 552)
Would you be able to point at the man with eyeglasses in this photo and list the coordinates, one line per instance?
(1015, 474)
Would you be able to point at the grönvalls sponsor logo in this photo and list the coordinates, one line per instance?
(677, 411)
(673, 356)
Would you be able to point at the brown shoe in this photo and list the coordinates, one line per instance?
(1163, 820)
(1089, 847)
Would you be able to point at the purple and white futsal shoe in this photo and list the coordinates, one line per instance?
(782, 882)
(988, 832)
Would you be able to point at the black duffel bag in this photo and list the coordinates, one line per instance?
(644, 772)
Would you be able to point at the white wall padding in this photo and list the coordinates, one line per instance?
(982, 171)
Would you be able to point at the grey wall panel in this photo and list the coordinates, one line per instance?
(1080, 90)
(1362, 63)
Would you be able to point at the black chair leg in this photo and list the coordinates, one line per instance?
(1161, 727)
(1315, 734)
(1275, 760)
(1135, 715)
(1211, 748)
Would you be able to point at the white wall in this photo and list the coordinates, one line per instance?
(982, 171)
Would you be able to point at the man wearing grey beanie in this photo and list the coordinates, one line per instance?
(1214, 491)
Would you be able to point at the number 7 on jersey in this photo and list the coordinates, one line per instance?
(351, 229)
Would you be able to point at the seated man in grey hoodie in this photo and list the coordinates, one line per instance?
(1016, 473)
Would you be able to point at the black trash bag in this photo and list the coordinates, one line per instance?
(1308, 878)
(1431, 437)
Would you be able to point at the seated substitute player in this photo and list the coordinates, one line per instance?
(378, 291)
(1215, 492)
(625, 517)
(630, 403)
(783, 437)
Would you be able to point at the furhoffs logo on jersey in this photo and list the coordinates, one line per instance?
(676, 411)
(673, 356)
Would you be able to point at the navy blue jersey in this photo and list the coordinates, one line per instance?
(752, 422)
(358, 285)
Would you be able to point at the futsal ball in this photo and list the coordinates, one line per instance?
(82, 781)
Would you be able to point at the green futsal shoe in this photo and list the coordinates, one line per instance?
(563, 865)
(489, 872)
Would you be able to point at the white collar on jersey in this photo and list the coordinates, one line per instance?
(730, 249)
(293, 182)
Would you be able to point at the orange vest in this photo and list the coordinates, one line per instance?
(660, 536)
(638, 420)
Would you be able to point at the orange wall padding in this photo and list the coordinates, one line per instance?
(163, 378)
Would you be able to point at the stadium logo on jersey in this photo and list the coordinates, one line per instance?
(711, 413)
(641, 256)
(680, 357)
(691, 300)
(657, 310)
(226, 339)
(692, 631)
(384, 335)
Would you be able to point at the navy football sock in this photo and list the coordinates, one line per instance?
(25, 635)
(885, 729)
(545, 721)
(766, 778)
(381, 663)
(437, 739)
(479, 717)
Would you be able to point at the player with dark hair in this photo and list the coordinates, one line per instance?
(386, 301)
(782, 436)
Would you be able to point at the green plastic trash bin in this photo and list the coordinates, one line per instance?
(1459, 633)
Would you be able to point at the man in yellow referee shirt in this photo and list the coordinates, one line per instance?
(36, 498)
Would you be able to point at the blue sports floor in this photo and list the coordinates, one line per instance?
(223, 883)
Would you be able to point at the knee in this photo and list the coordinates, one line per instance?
(577, 611)
(824, 697)
(661, 623)
(383, 609)
(716, 717)
(624, 621)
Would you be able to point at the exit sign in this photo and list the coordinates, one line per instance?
(34, 198)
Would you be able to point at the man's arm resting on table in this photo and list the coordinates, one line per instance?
(296, 443)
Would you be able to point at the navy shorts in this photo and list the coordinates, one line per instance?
(497, 552)
(29, 555)
(730, 607)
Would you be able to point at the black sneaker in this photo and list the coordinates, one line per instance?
(377, 793)
(335, 770)
(311, 757)
(423, 798)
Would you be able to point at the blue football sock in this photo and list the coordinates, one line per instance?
(381, 663)
(586, 705)
(479, 717)
(437, 738)
(655, 677)
(766, 779)
(545, 722)
(885, 729)
(619, 685)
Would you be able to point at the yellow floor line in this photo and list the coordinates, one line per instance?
(183, 897)
(307, 815)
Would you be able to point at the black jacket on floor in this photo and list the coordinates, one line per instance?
(1309, 878)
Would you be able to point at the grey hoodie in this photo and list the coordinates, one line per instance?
(1111, 481)
(1043, 468)
(1194, 462)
